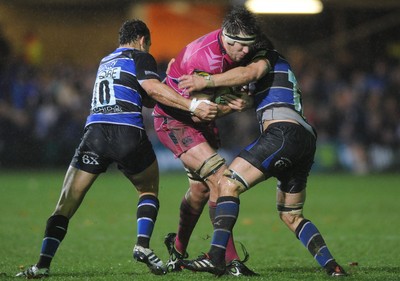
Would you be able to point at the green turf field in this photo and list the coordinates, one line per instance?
(358, 216)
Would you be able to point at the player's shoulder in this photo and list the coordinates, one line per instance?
(212, 34)
(144, 57)
(205, 40)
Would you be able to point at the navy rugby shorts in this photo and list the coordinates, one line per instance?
(103, 144)
(284, 151)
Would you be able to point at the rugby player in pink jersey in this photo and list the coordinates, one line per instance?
(196, 143)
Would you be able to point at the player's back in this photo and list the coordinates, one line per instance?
(116, 98)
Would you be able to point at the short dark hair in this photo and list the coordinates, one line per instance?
(131, 30)
(240, 20)
(263, 42)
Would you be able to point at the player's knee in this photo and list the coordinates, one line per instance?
(295, 185)
(210, 166)
(198, 192)
(232, 183)
(290, 213)
(193, 176)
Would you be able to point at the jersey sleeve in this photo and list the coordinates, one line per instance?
(146, 67)
(270, 55)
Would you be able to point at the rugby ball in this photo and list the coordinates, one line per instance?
(220, 92)
(215, 95)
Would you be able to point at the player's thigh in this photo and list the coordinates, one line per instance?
(290, 207)
(239, 177)
(204, 162)
(181, 137)
(251, 174)
(76, 185)
(194, 158)
(290, 198)
(147, 181)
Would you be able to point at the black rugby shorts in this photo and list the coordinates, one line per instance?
(284, 151)
(103, 144)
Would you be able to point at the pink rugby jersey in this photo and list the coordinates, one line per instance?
(205, 54)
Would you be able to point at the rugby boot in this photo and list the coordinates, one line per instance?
(33, 272)
(174, 262)
(147, 256)
(334, 269)
(204, 264)
(238, 268)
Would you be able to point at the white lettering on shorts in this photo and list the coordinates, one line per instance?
(90, 160)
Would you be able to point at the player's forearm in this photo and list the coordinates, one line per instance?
(237, 76)
(169, 97)
(203, 109)
(240, 75)
(234, 77)
(165, 95)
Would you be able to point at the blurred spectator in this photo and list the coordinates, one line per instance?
(5, 56)
(5, 48)
(32, 49)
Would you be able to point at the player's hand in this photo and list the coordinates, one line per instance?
(206, 111)
(192, 82)
(240, 101)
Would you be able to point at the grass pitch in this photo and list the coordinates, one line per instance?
(358, 216)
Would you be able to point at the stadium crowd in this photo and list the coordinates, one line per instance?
(355, 110)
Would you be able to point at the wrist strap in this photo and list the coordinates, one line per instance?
(195, 103)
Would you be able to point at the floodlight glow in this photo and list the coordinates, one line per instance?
(284, 6)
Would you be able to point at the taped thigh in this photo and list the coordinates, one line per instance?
(210, 166)
(193, 175)
(290, 209)
(236, 179)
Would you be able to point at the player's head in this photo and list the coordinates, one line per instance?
(262, 43)
(239, 31)
(133, 32)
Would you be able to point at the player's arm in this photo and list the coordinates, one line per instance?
(237, 76)
(163, 94)
(148, 79)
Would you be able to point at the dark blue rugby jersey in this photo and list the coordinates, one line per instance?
(117, 94)
(278, 87)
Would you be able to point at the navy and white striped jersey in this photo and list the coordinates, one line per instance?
(117, 94)
(278, 88)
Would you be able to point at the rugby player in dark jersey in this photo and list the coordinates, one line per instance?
(126, 80)
(285, 150)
